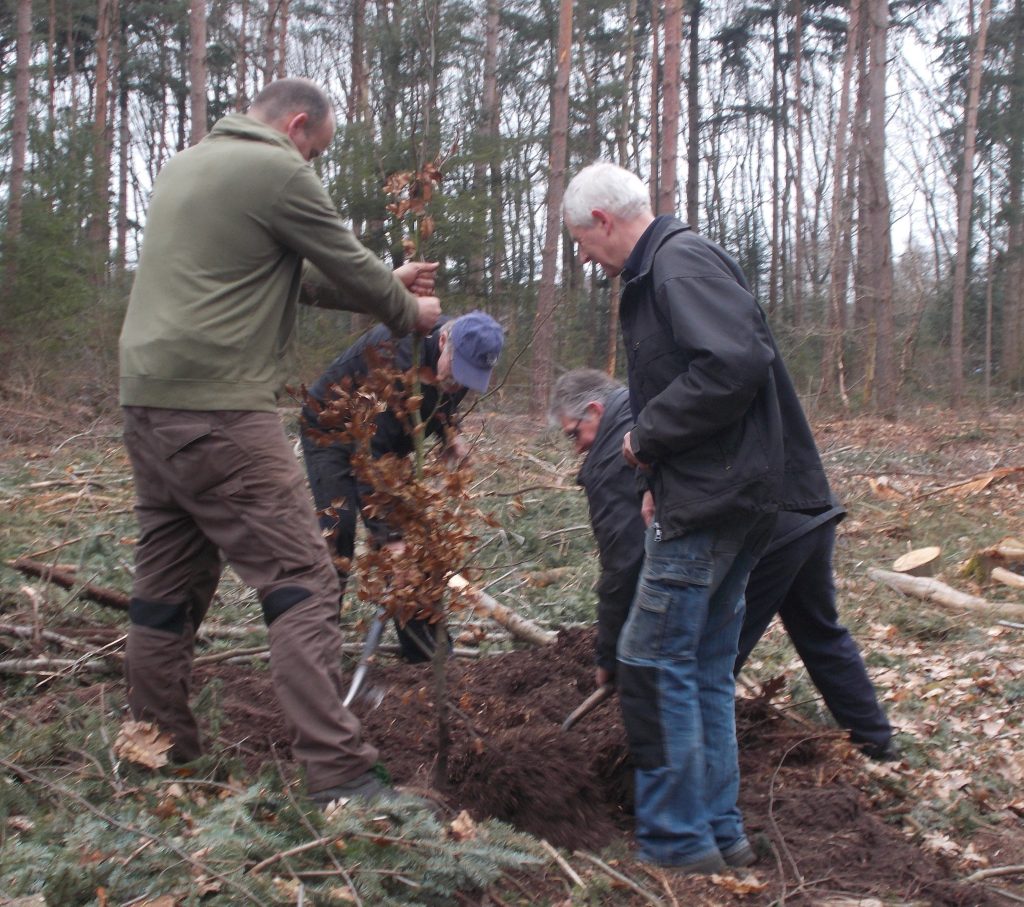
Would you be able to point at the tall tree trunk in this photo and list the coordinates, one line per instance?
(99, 225)
(242, 60)
(1011, 360)
(488, 117)
(668, 182)
(544, 323)
(877, 220)
(693, 118)
(654, 115)
(19, 138)
(51, 59)
(282, 38)
(358, 99)
(773, 268)
(197, 68)
(798, 173)
(964, 204)
(833, 372)
(123, 145)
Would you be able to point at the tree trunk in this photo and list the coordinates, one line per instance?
(876, 235)
(358, 100)
(544, 324)
(282, 38)
(773, 269)
(668, 182)
(242, 61)
(654, 115)
(119, 34)
(197, 68)
(1011, 361)
(964, 205)
(693, 119)
(797, 312)
(51, 54)
(99, 225)
(832, 364)
(19, 138)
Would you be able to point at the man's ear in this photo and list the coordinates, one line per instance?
(603, 218)
(597, 407)
(298, 123)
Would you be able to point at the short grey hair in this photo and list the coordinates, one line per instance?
(606, 186)
(292, 95)
(576, 389)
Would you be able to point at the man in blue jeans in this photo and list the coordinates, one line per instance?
(722, 444)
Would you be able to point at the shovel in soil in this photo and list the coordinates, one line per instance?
(372, 695)
(599, 695)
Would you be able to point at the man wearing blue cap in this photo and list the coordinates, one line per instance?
(462, 353)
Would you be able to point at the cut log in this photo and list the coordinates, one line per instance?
(919, 562)
(1006, 554)
(518, 626)
(64, 578)
(934, 591)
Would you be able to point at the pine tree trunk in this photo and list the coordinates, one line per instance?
(654, 114)
(197, 68)
(773, 268)
(797, 312)
(1011, 361)
(964, 204)
(282, 38)
(99, 224)
(693, 119)
(832, 363)
(242, 60)
(19, 138)
(668, 182)
(544, 322)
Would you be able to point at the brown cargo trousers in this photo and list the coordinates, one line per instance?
(213, 483)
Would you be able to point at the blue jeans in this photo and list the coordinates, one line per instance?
(676, 655)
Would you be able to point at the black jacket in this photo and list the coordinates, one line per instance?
(717, 417)
(437, 410)
(615, 518)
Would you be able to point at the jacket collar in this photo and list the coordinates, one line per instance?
(661, 229)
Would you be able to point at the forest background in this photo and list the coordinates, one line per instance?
(863, 161)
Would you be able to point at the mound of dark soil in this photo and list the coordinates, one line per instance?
(817, 830)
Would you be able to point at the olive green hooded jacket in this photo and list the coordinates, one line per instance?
(212, 310)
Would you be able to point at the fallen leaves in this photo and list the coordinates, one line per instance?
(142, 743)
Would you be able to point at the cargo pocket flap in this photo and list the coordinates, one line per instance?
(170, 439)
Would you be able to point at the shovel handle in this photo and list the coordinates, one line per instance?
(588, 705)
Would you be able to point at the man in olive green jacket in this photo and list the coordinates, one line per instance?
(236, 223)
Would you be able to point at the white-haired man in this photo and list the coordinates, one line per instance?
(722, 441)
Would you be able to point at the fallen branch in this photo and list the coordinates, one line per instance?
(47, 665)
(935, 591)
(20, 632)
(618, 876)
(994, 872)
(517, 625)
(1008, 577)
(112, 598)
(562, 863)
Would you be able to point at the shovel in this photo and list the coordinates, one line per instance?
(362, 668)
(603, 692)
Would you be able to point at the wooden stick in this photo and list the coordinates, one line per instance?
(1008, 577)
(935, 591)
(562, 863)
(112, 598)
(517, 625)
(995, 872)
(47, 665)
(628, 882)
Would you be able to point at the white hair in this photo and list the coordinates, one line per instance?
(606, 186)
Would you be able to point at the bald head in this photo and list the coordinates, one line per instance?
(301, 110)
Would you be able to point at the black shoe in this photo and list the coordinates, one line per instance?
(740, 855)
(713, 864)
(366, 787)
(881, 752)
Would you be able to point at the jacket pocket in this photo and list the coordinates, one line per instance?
(204, 460)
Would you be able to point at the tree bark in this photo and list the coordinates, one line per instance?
(19, 138)
(833, 371)
(544, 324)
(197, 68)
(964, 205)
(693, 119)
(99, 224)
(797, 313)
(668, 181)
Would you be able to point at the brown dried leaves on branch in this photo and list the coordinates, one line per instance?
(434, 515)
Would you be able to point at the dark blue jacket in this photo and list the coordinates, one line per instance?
(615, 518)
(717, 417)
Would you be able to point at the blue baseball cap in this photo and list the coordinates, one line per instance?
(476, 341)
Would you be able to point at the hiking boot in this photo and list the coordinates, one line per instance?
(741, 854)
(365, 787)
